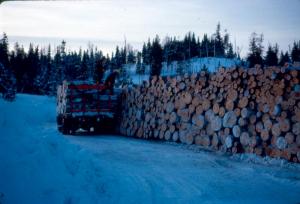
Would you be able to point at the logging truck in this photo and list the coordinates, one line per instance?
(86, 106)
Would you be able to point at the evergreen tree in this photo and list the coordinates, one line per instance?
(271, 58)
(85, 67)
(146, 53)
(7, 83)
(118, 58)
(62, 67)
(100, 69)
(42, 74)
(296, 52)
(31, 66)
(91, 62)
(174, 50)
(4, 58)
(123, 56)
(131, 58)
(226, 43)
(7, 79)
(284, 58)
(255, 50)
(51, 80)
(193, 46)
(205, 46)
(166, 49)
(219, 49)
(230, 54)
(140, 69)
(156, 57)
(17, 64)
(57, 61)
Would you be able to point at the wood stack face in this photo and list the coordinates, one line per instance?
(237, 110)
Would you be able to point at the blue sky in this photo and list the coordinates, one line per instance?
(106, 22)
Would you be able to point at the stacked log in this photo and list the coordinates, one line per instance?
(255, 110)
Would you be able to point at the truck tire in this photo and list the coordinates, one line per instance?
(67, 131)
(59, 120)
(59, 123)
(67, 126)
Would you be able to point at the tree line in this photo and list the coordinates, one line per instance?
(272, 56)
(39, 70)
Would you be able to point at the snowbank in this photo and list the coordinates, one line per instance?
(38, 165)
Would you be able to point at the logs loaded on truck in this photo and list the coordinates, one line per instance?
(86, 106)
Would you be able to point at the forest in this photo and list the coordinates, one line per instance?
(39, 70)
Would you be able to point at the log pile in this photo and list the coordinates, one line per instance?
(255, 110)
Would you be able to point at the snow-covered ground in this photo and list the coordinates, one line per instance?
(196, 64)
(193, 65)
(39, 165)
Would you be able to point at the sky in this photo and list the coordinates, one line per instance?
(106, 23)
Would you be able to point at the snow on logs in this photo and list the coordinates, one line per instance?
(254, 110)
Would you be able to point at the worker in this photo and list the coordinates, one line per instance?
(100, 69)
(110, 81)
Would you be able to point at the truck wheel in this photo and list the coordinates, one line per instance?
(67, 127)
(68, 131)
(59, 123)
(60, 128)
(59, 120)
(65, 131)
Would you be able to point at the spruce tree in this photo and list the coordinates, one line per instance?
(193, 46)
(144, 53)
(230, 54)
(219, 49)
(148, 52)
(255, 50)
(4, 54)
(17, 64)
(7, 83)
(139, 66)
(284, 58)
(156, 57)
(131, 58)
(271, 58)
(205, 46)
(296, 52)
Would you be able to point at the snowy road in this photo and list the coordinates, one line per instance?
(155, 172)
(39, 165)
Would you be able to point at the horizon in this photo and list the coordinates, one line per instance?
(82, 22)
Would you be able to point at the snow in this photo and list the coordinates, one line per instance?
(196, 64)
(39, 165)
(193, 65)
